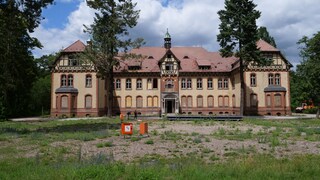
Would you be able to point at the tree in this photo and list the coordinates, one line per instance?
(264, 34)
(238, 29)
(308, 71)
(18, 19)
(109, 33)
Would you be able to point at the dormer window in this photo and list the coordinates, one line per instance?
(204, 67)
(134, 67)
(150, 57)
(185, 57)
(169, 66)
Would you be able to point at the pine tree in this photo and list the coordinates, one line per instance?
(109, 34)
(238, 29)
(18, 18)
(264, 34)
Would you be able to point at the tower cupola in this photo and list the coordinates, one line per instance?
(167, 40)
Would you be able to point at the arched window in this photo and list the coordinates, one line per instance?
(220, 101)
(155, 101)
(149, 83)
(253, 100)
(149, 101)
(210, 83)
(277, 100)
(88, 101)
(253, 79)
(225, 84)
(184, 101)
(199, 83)
(88, 81)
(199, 101)
(220, 83)
(189, 83)
(139, 102)
(128, 83)
(64, 102)
(270, 79)
(139, 83)
(118, 84)
(277, 79)
(268, 100)
(189, 100)
(226, 101)
(210, 101)
(128, 101)
(63, 80)
(183, 83)
(70, 80)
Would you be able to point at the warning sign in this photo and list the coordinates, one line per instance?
(126, 128)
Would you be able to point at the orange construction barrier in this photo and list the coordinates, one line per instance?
(126, 128)
(143, 128)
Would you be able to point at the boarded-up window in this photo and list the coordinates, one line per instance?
(149, 84)
(128, 101)
(277, 99)
(64, 101)
(149, 101)
(189, 101)
(155, 101)
(234, 100)
(220, 101)
(88, 101)
(268, 100)
(210, 101)
(184, 101)
(199, 101)
(226, 101)
(139, 102)
(253, 100)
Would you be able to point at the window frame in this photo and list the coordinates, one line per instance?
(128, 84)
(88, 81)
(209, 83)
(199, 83)
(139, 84)
(189, 83)
(253, 79)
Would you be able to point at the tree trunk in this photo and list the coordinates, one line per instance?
(242, 86)
(110, 88)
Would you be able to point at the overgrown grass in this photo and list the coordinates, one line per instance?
(102, 167)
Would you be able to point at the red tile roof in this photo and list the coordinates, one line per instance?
(77, 46)
(264, 46)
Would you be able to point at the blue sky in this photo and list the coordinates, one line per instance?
(190, 23)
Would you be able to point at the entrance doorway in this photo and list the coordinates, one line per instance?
(170, 105)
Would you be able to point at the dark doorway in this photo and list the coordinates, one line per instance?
(169, 106)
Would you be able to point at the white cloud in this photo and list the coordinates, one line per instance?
(195, 23)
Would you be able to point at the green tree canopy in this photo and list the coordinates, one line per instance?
(308, 72)
(110, 35)
(238, 35)
(18, 18)
(264, 34)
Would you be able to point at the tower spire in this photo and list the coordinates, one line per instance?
(167, 40)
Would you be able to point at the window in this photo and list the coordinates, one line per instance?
(88, 81)
(226, 101)
(277, 100)
(189, 100)
(139, 102)
(210, 101)
(63, 80)
(225, 84)
(219, 83)
(149, 84)
(189, 83)
(70, 80)
(169, 66)
(199, 83)
(220, 101)
(199, 101)
(210, 83)
(118, 84)
(268, 100)
(183, 83)
(253, 80)
(277, 79)
(149, 101)
(155, 83)
(128, 84)
(169, 84)
(139, 83)
(64, 102)
(116, 101)
(184, 101)
(270, 78)
(253, 100)
(72, 61)
(88, 101)
(155, 101)
(128, 101)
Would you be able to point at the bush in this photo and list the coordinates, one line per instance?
(311, 111)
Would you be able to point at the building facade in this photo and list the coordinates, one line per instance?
(165, 80)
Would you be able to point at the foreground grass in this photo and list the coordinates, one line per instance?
(255, 167)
